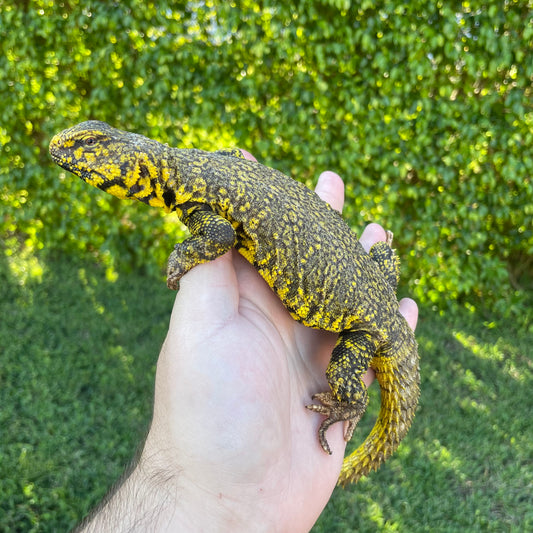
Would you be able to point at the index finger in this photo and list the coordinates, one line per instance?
(330, 188)
(409, 310)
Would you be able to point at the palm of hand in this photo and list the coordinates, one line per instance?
(232, 381)
(239, 371)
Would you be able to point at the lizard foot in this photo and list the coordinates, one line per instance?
(335, 411)
(173, 284)
(174, 272)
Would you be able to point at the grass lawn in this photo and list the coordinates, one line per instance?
(77, 363)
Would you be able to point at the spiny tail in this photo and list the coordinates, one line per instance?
(399, 380)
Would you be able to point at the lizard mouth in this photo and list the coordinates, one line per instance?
(65, 164)
(56, 158)
(53, 148)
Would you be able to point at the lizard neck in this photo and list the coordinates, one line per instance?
(181, 179)
(159, 180)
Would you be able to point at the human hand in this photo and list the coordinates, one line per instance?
(231, 445)
(233, 377)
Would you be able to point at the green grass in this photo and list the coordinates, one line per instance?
(77, 362)
(78, 358)
(467, 462)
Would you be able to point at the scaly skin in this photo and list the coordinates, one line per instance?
(297, 243)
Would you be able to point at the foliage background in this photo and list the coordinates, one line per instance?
(424, 108)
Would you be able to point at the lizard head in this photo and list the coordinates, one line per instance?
(118, 162)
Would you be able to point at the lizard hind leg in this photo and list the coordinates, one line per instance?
(234, 152)
(387, 260)
(348, 398)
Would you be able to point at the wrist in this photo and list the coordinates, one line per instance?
(158, 496)
(196, 496)
(146, 500)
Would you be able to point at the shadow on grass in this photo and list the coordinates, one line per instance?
(78, 358)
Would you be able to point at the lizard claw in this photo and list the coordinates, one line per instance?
(173, 283)
(174, 273)
(335, 411)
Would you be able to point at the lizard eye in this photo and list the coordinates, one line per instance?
(89, 141)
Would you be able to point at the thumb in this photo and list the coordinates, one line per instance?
(208, 293)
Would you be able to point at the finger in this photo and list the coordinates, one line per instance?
(247, 155)
(330, 188)
(372, 234)
(209, 291)
(369, 376)
(409, 310)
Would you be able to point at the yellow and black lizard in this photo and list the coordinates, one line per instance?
(302, 248)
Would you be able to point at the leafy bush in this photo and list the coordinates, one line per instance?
(424, 108)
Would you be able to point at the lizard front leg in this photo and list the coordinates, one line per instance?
(348, 397)
(211, 237)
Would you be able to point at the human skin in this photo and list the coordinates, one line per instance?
(231, 446)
